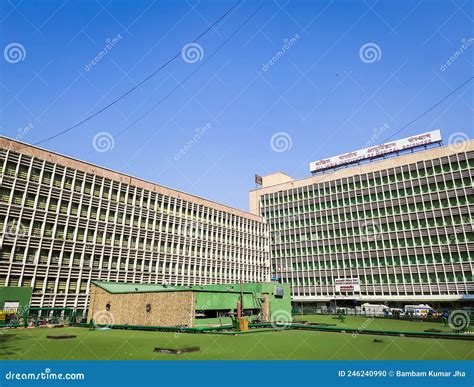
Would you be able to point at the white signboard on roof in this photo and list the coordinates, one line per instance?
(376, 151)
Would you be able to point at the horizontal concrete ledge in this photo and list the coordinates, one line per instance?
(436, 298)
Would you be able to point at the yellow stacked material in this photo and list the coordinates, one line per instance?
(3, 315)
(243, 324)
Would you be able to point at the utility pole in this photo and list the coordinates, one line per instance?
(241, 294)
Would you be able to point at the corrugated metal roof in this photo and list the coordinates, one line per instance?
(121, 287)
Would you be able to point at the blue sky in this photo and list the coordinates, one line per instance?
(320, 96)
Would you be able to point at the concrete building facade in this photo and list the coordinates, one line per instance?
(399, 229)
(65, 223)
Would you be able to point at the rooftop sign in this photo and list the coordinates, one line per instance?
(376, 151)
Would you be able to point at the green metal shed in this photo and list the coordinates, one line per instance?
(147, 304)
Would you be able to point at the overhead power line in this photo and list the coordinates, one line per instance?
(180, 84)
(431, 108)
(141, 82)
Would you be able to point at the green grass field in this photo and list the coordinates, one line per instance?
(374, 323)
(271, 345)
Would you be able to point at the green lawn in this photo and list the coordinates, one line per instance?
(375, 323)
(284, 345)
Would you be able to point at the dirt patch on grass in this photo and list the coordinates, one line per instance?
(61, 337)
(177, 351)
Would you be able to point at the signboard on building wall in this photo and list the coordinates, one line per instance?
(347, 285)
(11, 305)
(376, 151)
(279, 291)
